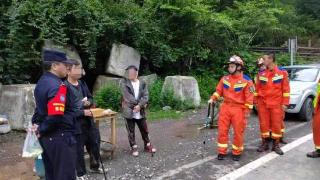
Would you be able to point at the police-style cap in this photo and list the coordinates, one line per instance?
(132, 67)
(50, 55)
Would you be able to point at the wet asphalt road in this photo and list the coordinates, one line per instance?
(180, 143)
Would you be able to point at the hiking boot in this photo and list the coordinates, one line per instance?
(276, 148)
(149, 148)
(236, 157)
(96, 170)
(264, 146)
(221, 156)
(314, 154)
(134, 151)
(84, 177)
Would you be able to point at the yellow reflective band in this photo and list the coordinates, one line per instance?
(222, 145)
(250, 106)
(286, 94)
(277, 78)
(318, 147)
(276, 135)
(316, 99)
(282, 130)
(58, 104)
(240, 85)
(265, 134)
(226, 83)
(255, 94)
(216, 94)
(236, 147)
(263, 78)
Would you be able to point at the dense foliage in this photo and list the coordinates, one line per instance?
(109, 96)
(189, 36)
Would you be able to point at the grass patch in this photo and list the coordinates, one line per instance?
(163, 115)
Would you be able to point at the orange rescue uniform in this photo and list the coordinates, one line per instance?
(256, 100)
(273, 91)
(316, 121)
(237, 91)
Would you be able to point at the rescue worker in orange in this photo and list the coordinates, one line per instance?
(273, 90)
(261, 67)
(316, 126)
(238, 91)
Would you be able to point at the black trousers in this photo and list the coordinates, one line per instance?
(81, 165)
(142, 125)
(90, 138)
(59, 156)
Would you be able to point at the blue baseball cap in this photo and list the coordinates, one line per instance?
(49, 55)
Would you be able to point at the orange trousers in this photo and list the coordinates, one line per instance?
(316, 129)
(231, 115)
(271, 119)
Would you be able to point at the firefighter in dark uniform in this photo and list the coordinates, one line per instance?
(54, 119)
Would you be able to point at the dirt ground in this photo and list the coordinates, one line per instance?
(12, 165)
(178, 142)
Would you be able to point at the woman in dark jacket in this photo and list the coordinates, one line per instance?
(135, 97)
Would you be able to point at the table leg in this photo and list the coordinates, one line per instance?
(113, 131)
(97, 124)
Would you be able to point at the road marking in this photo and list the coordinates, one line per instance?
(186, 166)
(209, 158)
(264, 159)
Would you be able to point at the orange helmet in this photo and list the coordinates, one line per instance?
(236, 60)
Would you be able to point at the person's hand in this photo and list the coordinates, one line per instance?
(211, 101)
(85, 101)
(34, 129)
(136, 109)
(87, 112)
(284, 107)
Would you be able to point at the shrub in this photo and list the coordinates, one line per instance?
(168, 99)
(155, 95)
(109, 97)
(207, 83)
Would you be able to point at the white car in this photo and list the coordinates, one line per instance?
(304, 80)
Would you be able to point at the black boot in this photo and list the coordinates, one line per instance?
(221, 157)
(236, 157)
(264, 145)
(276, 148)
(314, 154)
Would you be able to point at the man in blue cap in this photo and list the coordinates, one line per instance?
(54, 119)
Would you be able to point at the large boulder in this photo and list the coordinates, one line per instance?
(70, 50)
(185, 88)
(149, 79)
(17, 103)
(121, 57)
(102, 81)
(72, 53)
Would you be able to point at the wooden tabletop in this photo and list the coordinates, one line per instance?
(100, 113)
